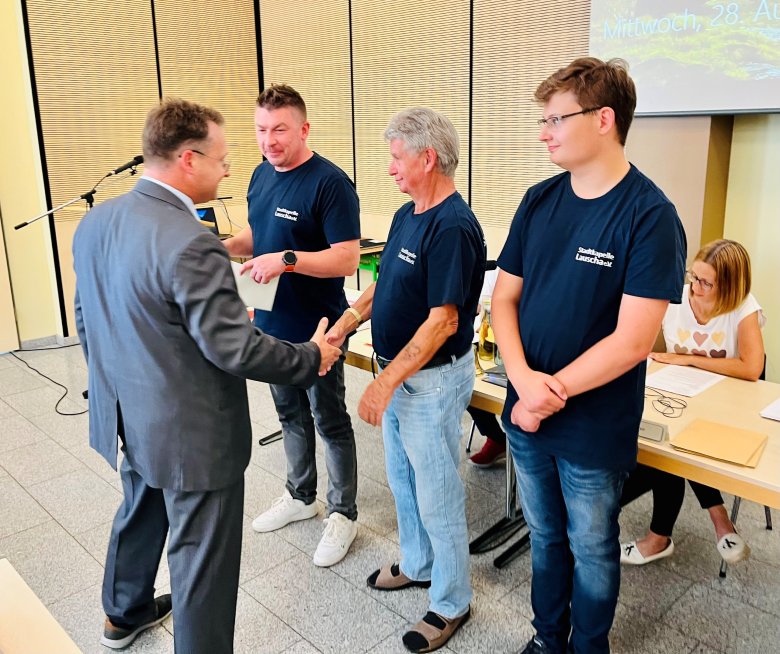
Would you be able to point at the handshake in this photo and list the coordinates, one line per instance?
(329, 354)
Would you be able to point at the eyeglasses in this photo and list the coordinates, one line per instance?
(224, 161)
(553, 122)
(693, 278)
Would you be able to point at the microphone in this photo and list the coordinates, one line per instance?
(138, 159)
(226, 197)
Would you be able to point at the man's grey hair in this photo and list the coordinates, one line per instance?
(420, 128)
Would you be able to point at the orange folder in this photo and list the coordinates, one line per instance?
(721, 442)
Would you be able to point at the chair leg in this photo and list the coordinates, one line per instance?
(471, 437)
(734, 514)
(768, 515)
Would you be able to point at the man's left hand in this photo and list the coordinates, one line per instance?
(525, 419)
(374, 402)
(265, 267)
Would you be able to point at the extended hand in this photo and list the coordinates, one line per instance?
(336, 336)
(265, 267)
(329, 354)
(374, 402)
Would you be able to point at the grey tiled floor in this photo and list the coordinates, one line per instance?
(57, 499)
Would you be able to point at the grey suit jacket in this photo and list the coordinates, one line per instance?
(168, 343)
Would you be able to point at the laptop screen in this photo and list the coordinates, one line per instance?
(207, 215)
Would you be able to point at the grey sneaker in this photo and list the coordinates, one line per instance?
(283, 511)
(120, 637)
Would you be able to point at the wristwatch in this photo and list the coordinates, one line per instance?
(289, 260)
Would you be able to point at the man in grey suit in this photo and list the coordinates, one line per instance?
(168, 345)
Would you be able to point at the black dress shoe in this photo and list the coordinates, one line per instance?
(120, 637)
(535, 646)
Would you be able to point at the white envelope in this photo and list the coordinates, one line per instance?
(258, 296)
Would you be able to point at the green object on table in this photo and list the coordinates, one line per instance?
(370, 262)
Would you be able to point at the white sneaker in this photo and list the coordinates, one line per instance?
(733, 548)
(283, 511)
(339, 533)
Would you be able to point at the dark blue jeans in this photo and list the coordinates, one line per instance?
(321, 404)
(572, 513)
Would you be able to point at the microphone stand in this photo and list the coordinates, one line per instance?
(89, 196)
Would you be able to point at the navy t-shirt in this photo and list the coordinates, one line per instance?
(304, 209)
(577, 258)
(431, 259)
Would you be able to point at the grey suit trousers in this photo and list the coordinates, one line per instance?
(204, 553)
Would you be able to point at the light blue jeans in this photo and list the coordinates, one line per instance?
(422, 431)
(572, 513)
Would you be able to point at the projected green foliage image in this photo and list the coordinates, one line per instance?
(672, 43)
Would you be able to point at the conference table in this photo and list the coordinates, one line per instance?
(731, 402)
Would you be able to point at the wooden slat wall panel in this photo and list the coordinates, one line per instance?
(208, 54)
(96, 79)
(405, 54)
(516, 46)
(306, 45)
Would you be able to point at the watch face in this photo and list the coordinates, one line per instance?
(289, 258)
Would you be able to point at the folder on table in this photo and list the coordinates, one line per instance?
(721, 442)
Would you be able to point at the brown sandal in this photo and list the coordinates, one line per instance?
(390, 577)
(433, 631)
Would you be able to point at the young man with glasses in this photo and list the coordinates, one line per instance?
(593, 258)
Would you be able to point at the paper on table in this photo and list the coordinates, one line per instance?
(772, 411)
(721, 442)
(259, 296)
(682, 380)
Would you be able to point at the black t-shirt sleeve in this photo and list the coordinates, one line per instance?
(656, 260)
(450, 265)
(511, 258)
(339, 210)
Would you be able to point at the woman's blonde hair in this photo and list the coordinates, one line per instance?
(731, 263)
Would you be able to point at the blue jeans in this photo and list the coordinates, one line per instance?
(322, 403)
(422, 431)
(572, 513)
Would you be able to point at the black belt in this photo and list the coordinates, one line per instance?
(435, 362)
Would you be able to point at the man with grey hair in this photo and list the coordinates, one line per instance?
(422, 309)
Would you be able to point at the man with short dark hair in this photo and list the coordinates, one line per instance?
(422, 309)
(304, 227)
(593, 257)
(168, 344)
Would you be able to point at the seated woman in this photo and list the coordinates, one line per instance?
(716, 327)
